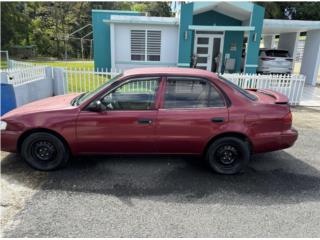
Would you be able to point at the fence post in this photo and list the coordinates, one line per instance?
(59, 81)
(4, 77)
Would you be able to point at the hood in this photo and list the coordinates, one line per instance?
(48, 104)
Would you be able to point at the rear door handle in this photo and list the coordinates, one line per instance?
(217, 119)
(144, 121)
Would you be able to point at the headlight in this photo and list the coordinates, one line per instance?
(3, 125)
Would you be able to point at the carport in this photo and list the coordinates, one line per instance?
(289, 32)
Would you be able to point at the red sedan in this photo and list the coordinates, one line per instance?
(153, 111)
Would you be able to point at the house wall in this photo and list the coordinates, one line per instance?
(208, 18)
(230, 37)
(233, 38)
(101, 36)
(122, 50)
(215, 18)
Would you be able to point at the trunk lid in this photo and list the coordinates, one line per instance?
(269, 96)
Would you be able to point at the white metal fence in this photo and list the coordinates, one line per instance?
(23, 75)
(82, 80)
(87, 79)
(289, 85)
(13, 64)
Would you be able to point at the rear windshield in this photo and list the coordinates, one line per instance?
(276, 53)
(239, 89)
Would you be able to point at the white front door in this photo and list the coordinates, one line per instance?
(208, 49)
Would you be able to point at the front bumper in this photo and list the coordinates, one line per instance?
(9, 140)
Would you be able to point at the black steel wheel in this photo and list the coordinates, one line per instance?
(44, 151)
(228, 155)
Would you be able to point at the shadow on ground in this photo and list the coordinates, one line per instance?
(272, 178)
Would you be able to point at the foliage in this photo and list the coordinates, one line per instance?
(45, 24)
(292, 10)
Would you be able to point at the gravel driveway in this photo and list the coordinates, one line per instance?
(279, 195)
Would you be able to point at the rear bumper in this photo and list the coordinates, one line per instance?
(9, 140)
(275, 69)
(274, 141)
(288, 138)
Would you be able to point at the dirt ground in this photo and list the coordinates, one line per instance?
(20, 183)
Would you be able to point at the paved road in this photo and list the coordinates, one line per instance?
(279, 196)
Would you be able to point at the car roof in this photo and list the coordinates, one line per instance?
(273, 49)
(192, 72)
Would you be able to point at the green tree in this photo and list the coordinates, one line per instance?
(292, 10)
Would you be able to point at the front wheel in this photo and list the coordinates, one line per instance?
(228, 155)
(44, 151)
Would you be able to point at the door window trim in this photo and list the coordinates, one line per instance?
(163, 92)
(133, 78)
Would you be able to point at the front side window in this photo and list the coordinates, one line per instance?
(138, 94)
(191, 93)
(145, 45)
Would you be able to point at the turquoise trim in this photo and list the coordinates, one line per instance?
(185, 35)
(245, 6)
(221, 28)
(115, 11)
(149, 22)
(145, 63)
(183, 64)
(212, 18)
(253, 46)
(251, 65)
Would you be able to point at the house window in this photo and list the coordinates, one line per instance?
(145, 45)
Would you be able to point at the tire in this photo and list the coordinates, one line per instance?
(44, 151)
(228, 155)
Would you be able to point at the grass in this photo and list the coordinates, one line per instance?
(85, 80)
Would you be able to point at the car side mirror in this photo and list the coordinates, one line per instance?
(95, 106)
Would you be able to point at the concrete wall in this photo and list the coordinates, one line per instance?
(122, 49)
(289, 41)
(311, 57)
(54, 83)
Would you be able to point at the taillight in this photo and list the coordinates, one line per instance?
(287, 120)
(267, 58)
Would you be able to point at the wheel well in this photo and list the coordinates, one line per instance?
(37, 130)
(241, 136)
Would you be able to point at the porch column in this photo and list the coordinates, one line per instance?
(268, 41)
(289, 41)
(252, 52)
(311, 57)
(185, 35)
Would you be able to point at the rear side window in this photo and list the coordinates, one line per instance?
(191, 93)
(276, 53)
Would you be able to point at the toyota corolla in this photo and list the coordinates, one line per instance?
(172, 111)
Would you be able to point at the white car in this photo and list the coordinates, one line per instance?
(276, 61)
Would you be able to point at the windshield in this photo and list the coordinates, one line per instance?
(239, 89)
(85, 96)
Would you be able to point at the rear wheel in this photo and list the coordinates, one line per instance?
(44, 151)
(228, 155)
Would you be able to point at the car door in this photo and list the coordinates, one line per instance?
(127, 124)
(192, 110)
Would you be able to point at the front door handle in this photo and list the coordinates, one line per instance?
(145, 121)
(217, 119)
